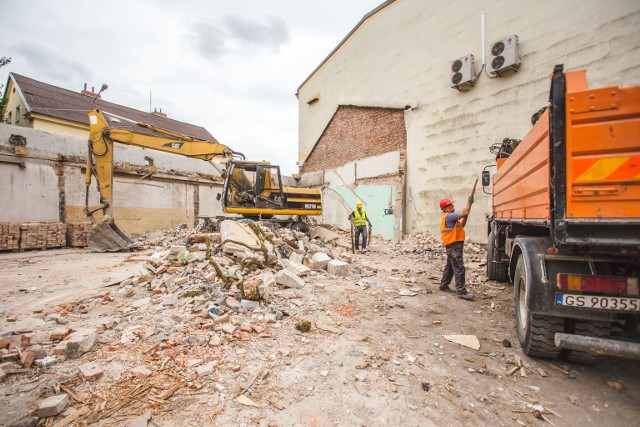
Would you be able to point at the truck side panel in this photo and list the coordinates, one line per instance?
(521, 184)
(603, 153)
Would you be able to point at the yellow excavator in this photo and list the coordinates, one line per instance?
(251, 189)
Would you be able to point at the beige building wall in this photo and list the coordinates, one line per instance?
(38, 121)
(402, 54)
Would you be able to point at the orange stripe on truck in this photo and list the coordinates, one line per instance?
(619, 168)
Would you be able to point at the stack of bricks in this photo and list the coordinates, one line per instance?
(9, 236)
(42, 235)
(78, 234)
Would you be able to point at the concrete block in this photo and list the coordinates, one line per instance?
(289, 280)
(207, 369)
(319, 261)
(91, 371)
(80, 342)
(140, 420)
(250, 305)
(338, 268)
(296, 257)
(324, 234)
(58, 334)
(267, 278)
(53, 405)
(170, 299)
(296, 268)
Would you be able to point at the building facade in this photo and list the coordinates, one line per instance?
(399, 57)
(43, 149)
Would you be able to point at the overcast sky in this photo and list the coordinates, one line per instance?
(232, 66)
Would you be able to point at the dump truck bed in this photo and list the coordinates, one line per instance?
(586, 185)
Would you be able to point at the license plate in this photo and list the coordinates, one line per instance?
(598, 302)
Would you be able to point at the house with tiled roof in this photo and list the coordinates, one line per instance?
(37, 105)
(43, 150)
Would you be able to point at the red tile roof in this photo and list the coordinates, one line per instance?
(53, 101)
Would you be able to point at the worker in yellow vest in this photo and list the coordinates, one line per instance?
(452, 233)
(359, 219)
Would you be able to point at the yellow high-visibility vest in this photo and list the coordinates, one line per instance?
(359, 220)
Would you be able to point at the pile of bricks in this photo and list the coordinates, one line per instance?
(9, 236)
(78, 234)
(42, 235)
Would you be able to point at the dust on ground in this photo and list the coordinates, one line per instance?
(177, 344)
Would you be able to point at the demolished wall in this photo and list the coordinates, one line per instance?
(361, 156)
(44, 181)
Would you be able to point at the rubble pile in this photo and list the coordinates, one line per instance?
(191, 322)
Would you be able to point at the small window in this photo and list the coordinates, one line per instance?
(9, 117)
(18, 114)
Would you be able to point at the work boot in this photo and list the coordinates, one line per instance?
(445, 289)
(467, 297)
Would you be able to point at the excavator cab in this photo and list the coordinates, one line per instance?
(253, 189)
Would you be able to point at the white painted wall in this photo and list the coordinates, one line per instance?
(378, 165)
(28, 194)
(401, 56)
(162, 202)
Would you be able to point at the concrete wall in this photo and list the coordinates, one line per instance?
(401, 56)
(375, 182)
(48, 184)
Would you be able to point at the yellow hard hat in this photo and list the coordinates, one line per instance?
(359, 204)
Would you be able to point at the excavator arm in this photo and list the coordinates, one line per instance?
(106, 236)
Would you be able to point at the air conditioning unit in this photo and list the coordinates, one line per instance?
(504, 56)
(463, 73)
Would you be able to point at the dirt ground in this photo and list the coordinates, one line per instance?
(375, 353)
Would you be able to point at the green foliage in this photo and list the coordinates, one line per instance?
(3, 61)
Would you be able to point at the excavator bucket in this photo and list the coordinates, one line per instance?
(106, 237)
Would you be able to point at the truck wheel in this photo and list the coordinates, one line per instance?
(587, 328)
(536, 332)
(495, 271)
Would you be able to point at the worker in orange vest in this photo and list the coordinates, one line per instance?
(452, 233)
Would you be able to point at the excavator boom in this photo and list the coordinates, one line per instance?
(106, 236)
(251, 189)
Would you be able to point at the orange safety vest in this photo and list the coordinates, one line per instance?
(451, 235)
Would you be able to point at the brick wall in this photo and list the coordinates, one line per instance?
(355, 133)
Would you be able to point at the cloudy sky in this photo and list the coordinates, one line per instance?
(232, 66)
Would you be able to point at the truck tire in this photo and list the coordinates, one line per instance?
(495, 271)
(536, 332)
(589, 328)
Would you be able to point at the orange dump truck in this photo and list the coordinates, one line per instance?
(565, 226)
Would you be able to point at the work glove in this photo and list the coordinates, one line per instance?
(470, 200)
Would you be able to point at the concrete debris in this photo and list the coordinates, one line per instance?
(210, 311)
(53, 405)
(289, 279)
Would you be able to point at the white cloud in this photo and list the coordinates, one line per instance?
(230, 66)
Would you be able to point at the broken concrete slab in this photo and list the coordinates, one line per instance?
(470, 341)
(296, 268)
(233, 231)
(53, 405)
(319, 261)
(80, 342)
(289, 279)
(338, 268)
(91, 371)
(324, 234)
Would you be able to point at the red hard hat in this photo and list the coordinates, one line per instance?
(444, 203)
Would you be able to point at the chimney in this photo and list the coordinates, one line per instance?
(90, 93)
(158, 113)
